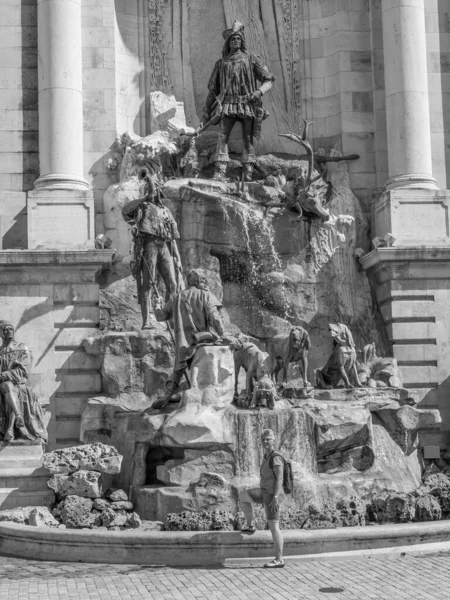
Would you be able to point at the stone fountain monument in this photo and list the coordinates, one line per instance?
(289, 162)
(269, 251)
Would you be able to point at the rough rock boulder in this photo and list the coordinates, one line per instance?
(42, 517)
(90, 457)
(75, 512)
(81, 483)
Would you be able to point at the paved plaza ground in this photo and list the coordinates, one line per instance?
(383, 578)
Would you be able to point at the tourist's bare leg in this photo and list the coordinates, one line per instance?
(274, 527)
(246, 499)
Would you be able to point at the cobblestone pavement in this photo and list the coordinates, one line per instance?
(384, 578)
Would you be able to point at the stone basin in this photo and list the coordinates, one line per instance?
(207, 548)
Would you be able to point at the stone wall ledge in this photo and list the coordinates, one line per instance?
(38, 257)
(421, 252)
(206, 547)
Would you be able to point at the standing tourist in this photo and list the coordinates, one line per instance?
(269, 495)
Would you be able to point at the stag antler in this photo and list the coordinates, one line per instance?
(303, 141)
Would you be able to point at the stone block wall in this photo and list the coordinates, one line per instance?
(413, 291)
(115, 49)
(52, 299)
(338, 83)
(19, 159)
(99, 96)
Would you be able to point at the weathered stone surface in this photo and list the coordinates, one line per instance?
(135, 366)
(212, 378)
(339, 430)
(108, 516)
(152, 525)
(133, 521)
(120, 520)
(211, 480)
(101, 504)
(90, 457)
(16, 515)
(96, 519)
(81, 483)
(439, 486)
(76, 512)
(42, 517)
(404, 423)
(122, 505)
(205, 521)
(428, 508)
(114, 495)
(195, 462)
(400, 508)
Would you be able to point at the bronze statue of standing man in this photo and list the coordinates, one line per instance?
(237, 84)
(155, 249)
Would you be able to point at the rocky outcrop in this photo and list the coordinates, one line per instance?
(90, 457)
(112, 511)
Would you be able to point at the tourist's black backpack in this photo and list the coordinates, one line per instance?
(288, 478)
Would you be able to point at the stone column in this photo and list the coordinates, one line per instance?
(60, 95)
(407, 107)
(61, 196)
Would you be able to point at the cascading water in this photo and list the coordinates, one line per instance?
(253, 235)
(294, 431)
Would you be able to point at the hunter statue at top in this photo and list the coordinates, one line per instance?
(236, 86)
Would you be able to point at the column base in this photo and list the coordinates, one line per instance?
(60, 219)
(414, 181)
(61, 181)
(415, 217)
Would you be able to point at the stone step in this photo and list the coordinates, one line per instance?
(13, 498)
(24, 483)
(31, 465)
(23, 471)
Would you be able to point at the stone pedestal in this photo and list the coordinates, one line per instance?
(60, 219)
(23, 480)
(412, 288)
(212, 378)
(414, 217)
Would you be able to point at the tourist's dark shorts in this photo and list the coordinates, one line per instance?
(260, 496)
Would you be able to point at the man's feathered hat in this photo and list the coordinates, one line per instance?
(237, 29)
